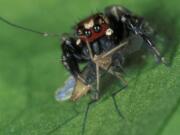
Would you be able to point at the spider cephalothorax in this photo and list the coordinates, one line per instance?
(92, 28)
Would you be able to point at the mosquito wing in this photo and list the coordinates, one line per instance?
(65, 92)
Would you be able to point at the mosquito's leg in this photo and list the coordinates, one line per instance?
(115, 102)
(115, 49)
(85, 116)
(118, 62)
(97, 91)
(97, 79)
(118, 75)
(125, 84)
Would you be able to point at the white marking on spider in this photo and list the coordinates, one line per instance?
(89, 24)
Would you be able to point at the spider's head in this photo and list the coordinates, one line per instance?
(92, 28)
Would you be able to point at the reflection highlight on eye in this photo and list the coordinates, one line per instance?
(97, 28)
(87, 33)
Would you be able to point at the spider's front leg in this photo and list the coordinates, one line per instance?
(137, 29)
(136, 25)
(71, 58)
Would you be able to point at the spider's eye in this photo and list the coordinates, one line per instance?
(97, 28)
(79, 32)
(87, 33)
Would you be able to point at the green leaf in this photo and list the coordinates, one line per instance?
(30, 73)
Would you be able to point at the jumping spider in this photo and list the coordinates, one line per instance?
(103, 40)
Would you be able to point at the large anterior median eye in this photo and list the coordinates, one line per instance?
(87, 33)
(97, 28)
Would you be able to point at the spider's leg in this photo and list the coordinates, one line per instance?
(115, 102)
(137, 29)
(129, 22)
(85, 116)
